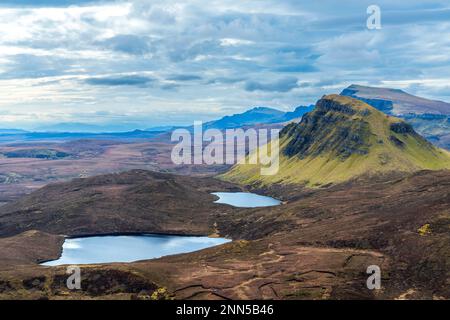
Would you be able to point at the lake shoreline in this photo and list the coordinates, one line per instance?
(128, 248)
(245, 200)
(135, 233)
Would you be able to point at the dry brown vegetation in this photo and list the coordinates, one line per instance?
(317, 245)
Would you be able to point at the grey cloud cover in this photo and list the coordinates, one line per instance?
(218, 56)
(121, 81)
(45, 3)
(281, 85)
(184, 77)
(128, 43)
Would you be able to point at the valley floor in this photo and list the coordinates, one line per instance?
(21, 176)
(317, 245)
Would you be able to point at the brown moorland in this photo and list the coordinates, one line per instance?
(317, 245)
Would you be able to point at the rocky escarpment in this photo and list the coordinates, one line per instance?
(402, 127)
(331, 128)
(383, 105)
(344, 139)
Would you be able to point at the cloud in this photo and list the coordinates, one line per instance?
(225, 80)
(170, 87)
(45, 3)
(226, 42)
(221, 56)
(297, 68)
(128, 80)
(32, 66)
(128, 43)
(184, 77)
(282, 85)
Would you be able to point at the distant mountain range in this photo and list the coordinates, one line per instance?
(342, 139)
(64, 136)
(79, 127)
(429, 117)
(258, 115)
(396, 102)
(254, 116)
(74, 131)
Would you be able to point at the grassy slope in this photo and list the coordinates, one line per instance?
(384, 156)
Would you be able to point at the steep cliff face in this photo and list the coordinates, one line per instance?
(344, 138)
(328, 130)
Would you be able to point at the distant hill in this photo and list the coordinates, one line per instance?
(396, 102)
(297, 113)
(429, 117)
(12, 131)
(36, 153)
(79, 127)
(133, 201)
(72, 127)
(161, 128)
(257, 115)
(344, 138)
(77, 130)
(65, 136)
(254, 116)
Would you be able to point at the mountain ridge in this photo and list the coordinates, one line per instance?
(343, 139)
(396, 101)
(257, 115)
(431, 118)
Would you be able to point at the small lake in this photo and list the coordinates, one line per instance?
(126, 248)
(245, 199)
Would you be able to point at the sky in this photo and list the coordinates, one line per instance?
(137, 64)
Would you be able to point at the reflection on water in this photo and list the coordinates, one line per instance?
(106, 249)
(245, 199)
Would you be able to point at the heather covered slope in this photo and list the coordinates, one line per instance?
(134, 201)
(345, 138)
(317, 245)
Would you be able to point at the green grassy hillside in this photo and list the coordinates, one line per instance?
(344, 138)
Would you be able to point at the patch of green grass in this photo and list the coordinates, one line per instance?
(385, 151)
(36, 153)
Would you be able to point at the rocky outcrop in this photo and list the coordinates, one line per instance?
(402, 128)
(344, 139)
(330, 128)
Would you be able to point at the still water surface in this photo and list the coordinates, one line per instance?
(245, 199)
(126, 248)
